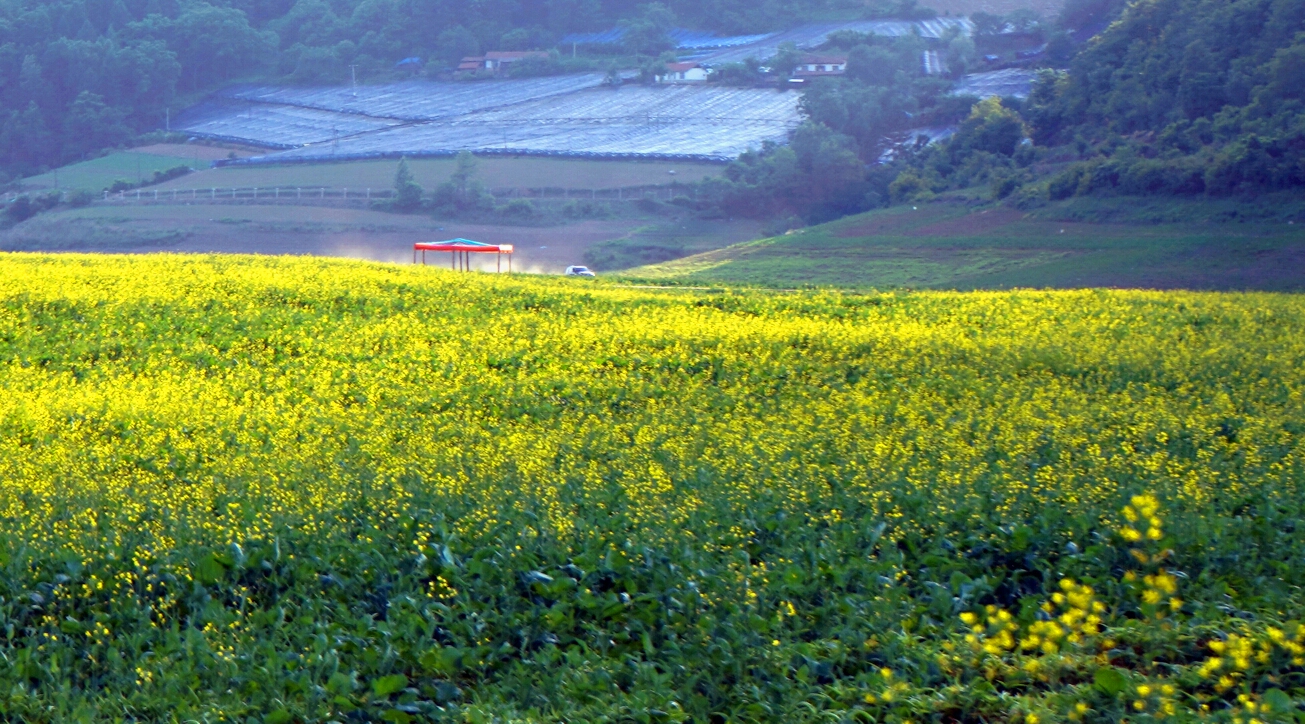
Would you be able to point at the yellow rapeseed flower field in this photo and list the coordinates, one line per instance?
(239, 489)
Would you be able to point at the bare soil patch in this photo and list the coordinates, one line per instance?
(885, 224)
(982, 222)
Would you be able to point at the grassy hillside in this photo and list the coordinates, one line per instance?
(98, 174)
(237, 488)
(1117, 242)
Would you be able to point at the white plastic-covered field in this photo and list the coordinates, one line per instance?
(419, 100)
(1011, 82)
(275, 126)
(682, 121)
(688, 139)
(810, 36)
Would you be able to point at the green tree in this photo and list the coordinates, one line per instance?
(991, 127)
(90, 124)
(452, 46)
(462, 191)
(785, 61)
(647, 33)
(213, 44)
(872, 65)
(407, 192)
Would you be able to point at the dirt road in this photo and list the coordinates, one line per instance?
(318, 231)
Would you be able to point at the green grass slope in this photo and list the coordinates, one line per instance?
(98, 174)
(1120, 242)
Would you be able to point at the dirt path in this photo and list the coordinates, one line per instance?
(546, 250)
(317, 231)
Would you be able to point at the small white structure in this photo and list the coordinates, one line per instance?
(683, 73)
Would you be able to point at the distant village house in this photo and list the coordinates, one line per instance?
(817, 65)
(683, 73)
(497, 61)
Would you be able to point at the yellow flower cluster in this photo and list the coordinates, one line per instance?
(1237, 655)
(1156, 698)
(1075, 614)
(888, 691)
(1142, 513)
(1072, 614)
(994, 633)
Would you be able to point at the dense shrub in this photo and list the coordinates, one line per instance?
(586, 209)
(79, 198)
(20, 209)
(519, 209)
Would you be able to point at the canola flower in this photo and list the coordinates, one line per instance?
(291, 489)
(1074, 615)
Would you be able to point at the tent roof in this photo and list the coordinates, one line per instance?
(462, 245)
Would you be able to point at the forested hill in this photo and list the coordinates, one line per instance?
(1210, 90)
(1174, 97)
(80, 75)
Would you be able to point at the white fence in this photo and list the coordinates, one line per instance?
(321, 194)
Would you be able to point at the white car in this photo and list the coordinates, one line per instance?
(578, 271)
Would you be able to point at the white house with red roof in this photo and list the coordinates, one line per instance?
(683, 73)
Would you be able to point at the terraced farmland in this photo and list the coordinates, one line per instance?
(555, 116)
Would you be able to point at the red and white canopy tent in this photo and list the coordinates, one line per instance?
(462, 250)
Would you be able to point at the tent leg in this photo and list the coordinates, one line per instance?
(500, 262)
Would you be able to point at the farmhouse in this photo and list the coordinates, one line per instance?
(683, 73)
(817, 65)
(497, 61)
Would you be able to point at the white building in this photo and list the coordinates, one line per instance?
(683, 73)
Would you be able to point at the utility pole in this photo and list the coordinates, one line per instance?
(353, 77)
(167, 119)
